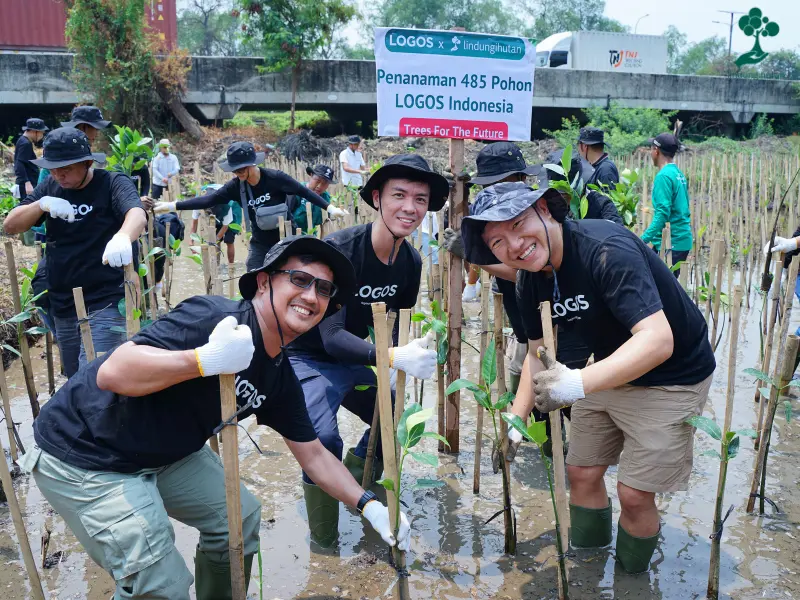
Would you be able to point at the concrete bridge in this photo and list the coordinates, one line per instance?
(218, 87)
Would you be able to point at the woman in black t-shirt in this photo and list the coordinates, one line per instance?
(653, 362)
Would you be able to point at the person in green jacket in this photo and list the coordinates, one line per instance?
(670, 200)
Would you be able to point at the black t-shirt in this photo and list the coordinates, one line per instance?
(102, 431)
(75, 250)
(272, 189)
(396, 285)
(605, 172)
(24, 169)
(610, 280)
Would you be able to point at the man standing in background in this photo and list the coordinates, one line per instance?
(165, 167)
(26, 172)
(353, 164)
(591, 146)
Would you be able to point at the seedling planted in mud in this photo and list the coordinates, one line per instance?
(28, 302)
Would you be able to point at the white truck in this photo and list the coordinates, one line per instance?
(603, 51)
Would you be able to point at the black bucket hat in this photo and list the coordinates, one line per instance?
(87, 115)
(591, 136)
(497, 161)
(241, 154)
(495, 204)
(353, 139)
(414, 168)
(323, 171)
(35, 125)
(66, 146)
(577, 164)
(668, 143)
(344, 275)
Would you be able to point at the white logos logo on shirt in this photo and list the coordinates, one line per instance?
(378, 292)
(575, 304)
(259, 200)
(247, 392)
(81, 210)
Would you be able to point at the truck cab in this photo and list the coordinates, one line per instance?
(554, 52)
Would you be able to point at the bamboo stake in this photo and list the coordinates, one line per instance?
(231, 280)
(767, 358)
(7, 411)
(711, 264)
(440, 398)
(713, 572)
(309, 218)
(559, 468)
(509, 523)
(24, 349)
(167, 265)
(83, 319)
(230, 459)
(764, 432)
(400, 380)
(485, 293)
(131, 322)
(19, 526)
(48, 338)
(281, 228)
(151, 265)
(717, 289)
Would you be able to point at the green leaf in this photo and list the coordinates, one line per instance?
(155, 252)
(371, 331)
(792, 383)
(425, 458)
(517, 424)
(711, 453)
(142, 270)
(733, 447)
(419, 417)
(118, 329)
(37, 331)
(537, 431)
(12, 350)
(363, 388)
(483, 398)
(765, 392)
(424, 484)
(20, 317)
(441, 351)
(387, 483)
(197, 259)
(584, 206)
(402, 426)
(418, 317)
(173, 242)
(121, 306)
(760, 375)
(137, 313)
(28, 272)
(504, 401)
(436, 436)
(439, 326)
(234, 227)
(751, 433)
(706, 424)
(677, 265)
(196, 238)
(460, 384)
(489, 365)
(787, 410)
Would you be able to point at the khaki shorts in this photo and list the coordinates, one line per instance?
(645, 425)
(516, 352)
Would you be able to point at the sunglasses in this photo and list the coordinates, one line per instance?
(305, 280)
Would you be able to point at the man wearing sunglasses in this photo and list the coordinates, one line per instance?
(121, 447)
(333, 360)
(262, 194)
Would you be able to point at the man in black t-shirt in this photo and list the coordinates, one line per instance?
(592, 146)
(262, 194)
(121, 447)
(26, 171)
(653, 366)
(93, 217)
(332, 360)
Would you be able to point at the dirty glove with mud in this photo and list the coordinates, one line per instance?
(229, 349)
(164, 207)
(453, 243)
(378, 516)
(510, 446)
(414, 358)
(58, 208)
(557, 386)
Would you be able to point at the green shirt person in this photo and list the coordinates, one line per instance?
(670, 199)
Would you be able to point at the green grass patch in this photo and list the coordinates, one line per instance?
(278, 121)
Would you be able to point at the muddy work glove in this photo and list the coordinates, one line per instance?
(58, 208)
(164, 207)
(118, 252)
(451, 239)
(782, 245)
(378, 516)
(414, 358)
(510, 446)
(336, 213)
(557, 386)
(229, 349)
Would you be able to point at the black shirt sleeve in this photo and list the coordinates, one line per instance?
(185, 327)
(607, 173)
(292, 186)
(602, 207)
(288, 414)
(622, 275)
(228, 192)
(124, 196)
(344, 345)
(39, 192)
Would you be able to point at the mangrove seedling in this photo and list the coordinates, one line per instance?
(578, 203)
(27, 301)
(130, 151)
(623, 194)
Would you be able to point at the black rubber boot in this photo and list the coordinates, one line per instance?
(212, 580)
(634, 553)
(323, 515)
(591, 527)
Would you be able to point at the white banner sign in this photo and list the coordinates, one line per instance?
(452, 84)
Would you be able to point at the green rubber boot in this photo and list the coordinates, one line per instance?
(212, 580)
(634, 553)
(514, 383)
(591, 527)
(355, 464)
(323, 515)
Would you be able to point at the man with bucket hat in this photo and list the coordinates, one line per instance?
(321, 177)
(25, 170)
(653, 361)
(332, 360)
(89, 119)
(353, 164)
(591, 146)
(121, 447)
(262, 194)
(93, 217)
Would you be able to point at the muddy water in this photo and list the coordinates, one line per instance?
(454, 555)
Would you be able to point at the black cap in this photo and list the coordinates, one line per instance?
(344, 275)
(578, 164)
(241, 154)
(87, 115)
(668, 143)
(323, 171)
(66, 146)
(499, 160)
(353, 139)
(591, 136)
(35, 125)
(414, 168)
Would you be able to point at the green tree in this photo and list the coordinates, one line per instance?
(755, 24)
(207, 28)
(699, 56)
(489, 16)
(555, 16)
(676, 44)
(782, 64)
(293, 31)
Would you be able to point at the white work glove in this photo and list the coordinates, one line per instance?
(196, 214)
(229, 349)
(557, 386)
(58, 208)
(378, 516)
(164, 207)
(782, 245)
(414, 358)
(471, 292)
(336, 213)
(511, 444)
(118, 252)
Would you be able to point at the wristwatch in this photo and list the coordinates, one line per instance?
(365, 499)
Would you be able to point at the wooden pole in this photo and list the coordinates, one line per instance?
(717, 289)
(713, 572)
(27, 367)
(231, 280)
(83, 320)
(767, 358)
(438, 297)
(48, 354)
(151, 266)
(485, 293)
(764, 432)
(712, 262)
(167, 265)
(400, 381)
(131, 322)
(509, 524)
(12, 445)
(309, 218)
